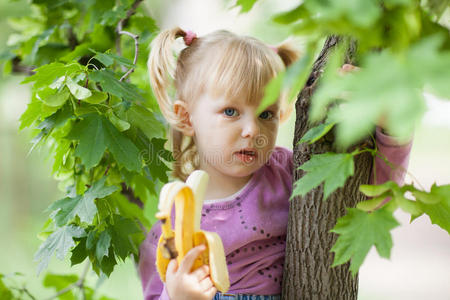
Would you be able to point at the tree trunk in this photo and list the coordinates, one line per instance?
(307, 269)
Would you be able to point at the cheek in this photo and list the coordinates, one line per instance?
(270, 130)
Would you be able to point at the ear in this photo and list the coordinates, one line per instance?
(184, 124)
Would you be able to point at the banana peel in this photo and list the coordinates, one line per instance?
(188, 199)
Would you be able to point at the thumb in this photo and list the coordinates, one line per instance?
(172, 266)
(188, 261)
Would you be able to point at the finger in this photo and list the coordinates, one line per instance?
(211, 292)
(206, 284)
(172, 266)
(189, 259)
(201, 272)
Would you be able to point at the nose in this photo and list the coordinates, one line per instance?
(250, 128)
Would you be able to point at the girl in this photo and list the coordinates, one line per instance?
(219, 81)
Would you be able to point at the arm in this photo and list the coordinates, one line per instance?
(396, 153)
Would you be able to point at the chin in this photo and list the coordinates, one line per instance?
(241, 173)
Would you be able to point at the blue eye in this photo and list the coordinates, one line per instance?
(266, 115)
(229, 112)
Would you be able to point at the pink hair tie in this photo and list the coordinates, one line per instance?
(274, 48)
(189, 37)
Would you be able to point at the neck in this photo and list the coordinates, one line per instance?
(221, 185)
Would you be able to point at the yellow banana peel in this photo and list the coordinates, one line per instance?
(188, 199)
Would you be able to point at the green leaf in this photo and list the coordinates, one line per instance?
(79, 253)
(291, 16)
(121, 125)
(109, 58)
(46, 74)
(96, 128)
(358, 232)
(77, 91)
(408, 206)
(271, 92)
(96, 98)
(82, 206)
(371, 204)
(111, 84)
(108, 263)
(53, 97)
(59, 282)
(87, 130)
(315, 133)
(246, 5)
(439, 212)
(360, 14)
(106, 60)
(58, 243)
(130, 210)
(5, 292)
(438, 7)
(120, 233)
(123, 150)
(153, 157)
(145, 120)
(103, 244)
(376, 190)
(331, 168)
(31, 114)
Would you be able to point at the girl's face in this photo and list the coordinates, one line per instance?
(223, 129)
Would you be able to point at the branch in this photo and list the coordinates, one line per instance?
(79, 284)
(136, 52)
(119, 31)
(73, 41)
(19, 68)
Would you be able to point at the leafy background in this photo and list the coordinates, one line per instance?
(419, 260)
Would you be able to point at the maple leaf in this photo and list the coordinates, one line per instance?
(331, 168)
(358, 232)
(82, 206)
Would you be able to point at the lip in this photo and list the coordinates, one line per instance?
(247, 155)
(253, 150)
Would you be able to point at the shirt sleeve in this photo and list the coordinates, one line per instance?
(153, 287)
(396, 153)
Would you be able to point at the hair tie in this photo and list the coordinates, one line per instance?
(274, 48)
(189, 37)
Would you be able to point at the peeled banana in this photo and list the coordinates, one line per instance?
(188, 198)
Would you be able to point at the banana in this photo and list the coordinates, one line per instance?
(188, 198)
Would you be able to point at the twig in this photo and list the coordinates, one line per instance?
(119, 31)
(73, 41)
(107, 169)
(394, 167)
(79, 284)
(24, 290)
(136, 52)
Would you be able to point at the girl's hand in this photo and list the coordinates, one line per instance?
(185, 285)
(347, 68)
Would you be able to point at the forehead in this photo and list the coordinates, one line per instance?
(223, 100)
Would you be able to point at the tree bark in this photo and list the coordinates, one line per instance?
(307, 269)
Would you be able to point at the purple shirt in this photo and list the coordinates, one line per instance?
(252, 224)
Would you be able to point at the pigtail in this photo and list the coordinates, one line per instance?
(161, 67)
(288, 54)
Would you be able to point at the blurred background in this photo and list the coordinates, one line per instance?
(420, 259)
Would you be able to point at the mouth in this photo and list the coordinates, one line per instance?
(247, 154)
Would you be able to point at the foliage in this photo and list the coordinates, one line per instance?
(93, 110)
(67, 286)
(403, 50)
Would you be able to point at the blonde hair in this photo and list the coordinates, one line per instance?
(220, 63)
